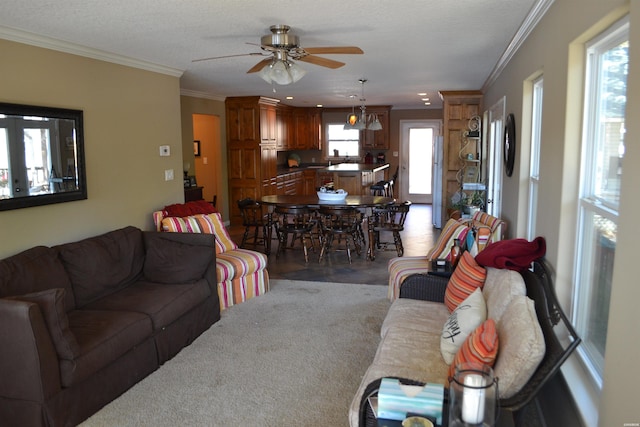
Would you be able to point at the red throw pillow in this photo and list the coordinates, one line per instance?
(467, 276)
(181, 210)
(481, 346)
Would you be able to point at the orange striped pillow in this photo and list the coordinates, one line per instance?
(467, 276)
(181, 225)
(452, 230)
(223, 240)
(481, 346)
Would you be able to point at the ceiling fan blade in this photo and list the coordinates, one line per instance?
(351, 50)
(323, 62)
(260, 65)
(227, 56)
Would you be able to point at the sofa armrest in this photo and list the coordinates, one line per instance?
(29, 365)
(426, 287)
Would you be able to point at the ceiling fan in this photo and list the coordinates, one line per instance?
(281, 47)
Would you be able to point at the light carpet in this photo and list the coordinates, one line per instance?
(293, 356)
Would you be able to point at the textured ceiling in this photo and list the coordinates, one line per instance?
(410, 46)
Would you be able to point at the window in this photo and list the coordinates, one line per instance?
(26, 141)
(534, 166)
(601, 169)
(344, 142)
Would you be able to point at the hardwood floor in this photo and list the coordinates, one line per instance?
(417, 238)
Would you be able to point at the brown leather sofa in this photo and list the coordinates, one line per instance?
(82, 322)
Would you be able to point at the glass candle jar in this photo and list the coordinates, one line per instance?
(473, 396)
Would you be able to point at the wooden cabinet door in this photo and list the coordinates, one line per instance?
(268, 160)
(242, 122)
(309, 182)
(379, 139)
(268, 124)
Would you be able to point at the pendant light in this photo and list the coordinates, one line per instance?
(363, 121)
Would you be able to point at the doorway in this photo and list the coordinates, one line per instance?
(206, 130)
(496, 131)
(417, 139)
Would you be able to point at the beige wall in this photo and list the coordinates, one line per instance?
(128, 114)
(547, 50)
(191, 105)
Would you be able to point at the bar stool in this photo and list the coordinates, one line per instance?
(380, 188)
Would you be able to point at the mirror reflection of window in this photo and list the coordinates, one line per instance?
(41, 156)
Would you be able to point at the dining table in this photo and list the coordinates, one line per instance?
(362, 202)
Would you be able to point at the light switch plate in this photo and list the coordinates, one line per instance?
(165, 150)
(168, 175)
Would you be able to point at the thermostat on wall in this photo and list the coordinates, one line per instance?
(165, 150)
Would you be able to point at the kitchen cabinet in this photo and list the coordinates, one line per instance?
(379, 139)
(251, 149)
(309, 182)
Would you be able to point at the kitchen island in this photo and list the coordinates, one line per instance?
(356, 178)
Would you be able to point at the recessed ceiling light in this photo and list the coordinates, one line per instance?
(427, 103)
(422, 94)
(425, 99)
(289, 97)
(319, 105)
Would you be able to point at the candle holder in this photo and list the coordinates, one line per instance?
(473, 396)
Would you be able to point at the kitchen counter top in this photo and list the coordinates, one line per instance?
(356, 167)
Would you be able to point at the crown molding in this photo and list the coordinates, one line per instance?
(532, 19)
(198, 94)
(76, 49)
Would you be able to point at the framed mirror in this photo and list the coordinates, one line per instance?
(41, 156)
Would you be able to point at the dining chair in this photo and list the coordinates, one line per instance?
(297, 221)
(345, 224)
(254, 222)
(389, 218)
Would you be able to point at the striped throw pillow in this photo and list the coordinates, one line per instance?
(467, 276)
(452, 230)
(202, 223)
(479, 347)
(223, 240)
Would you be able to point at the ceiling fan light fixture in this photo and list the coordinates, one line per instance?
(282, 72)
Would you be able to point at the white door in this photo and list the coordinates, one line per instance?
(416, 158)
(496, 131)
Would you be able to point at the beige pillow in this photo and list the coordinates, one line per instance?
(499, 288)
(470, 314)
(521, 346)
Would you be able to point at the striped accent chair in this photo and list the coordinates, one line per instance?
(242, 273)
(488, 229)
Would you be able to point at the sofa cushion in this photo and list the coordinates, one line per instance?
(467, 276)
(103, 264)
(103, 336)
(36, 269)
(224, 243)
(52, 306)
(465, 319)
(522, 346)
(163, 303)
(481, 346)
(239, 263)
(499, 289)
(415, 315)
(168, 261)
(452, 230)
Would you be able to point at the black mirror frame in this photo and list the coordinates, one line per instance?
(66, 196)
(509, 146)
